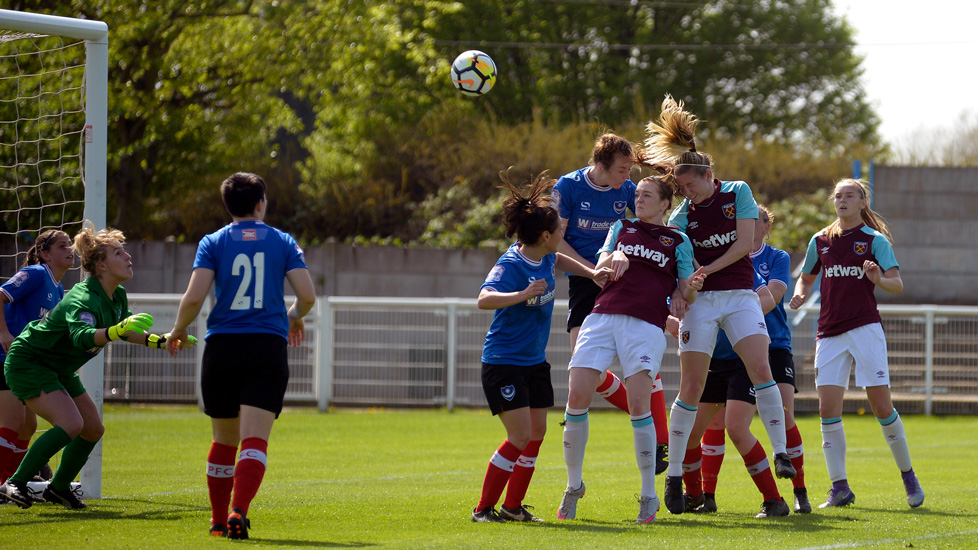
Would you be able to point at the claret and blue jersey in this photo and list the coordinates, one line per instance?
(848, 299)
(657, 256)
(249, 260)
(712, 228)
(590, 210)
(519, 333)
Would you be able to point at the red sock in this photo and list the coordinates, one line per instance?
(796, 452)
(613, 390)
(691, 471)
(519, 480)
(249, 472)
(497, 474)
(8, 443)
(714, 446)
(760, 472)
(658, 404)
(220, 480)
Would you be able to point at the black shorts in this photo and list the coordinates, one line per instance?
(581, 293)
(244, 369)
(728, 380)
(509, 387)
(782, 366)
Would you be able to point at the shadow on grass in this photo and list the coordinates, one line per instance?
(126, 509)
(310, 543)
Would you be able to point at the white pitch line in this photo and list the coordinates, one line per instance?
(889, 541)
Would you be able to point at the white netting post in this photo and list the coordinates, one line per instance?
(58, 143)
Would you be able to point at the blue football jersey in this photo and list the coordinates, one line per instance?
(723, 348)
(519, 333)
(249, 260)
(773, 264)
(32, 292)
(590, 210)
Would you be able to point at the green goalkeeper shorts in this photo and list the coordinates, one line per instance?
(27, 378)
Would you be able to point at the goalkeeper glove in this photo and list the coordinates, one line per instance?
(139, 322)
(158, 341)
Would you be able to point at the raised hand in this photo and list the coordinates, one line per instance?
(134, 324)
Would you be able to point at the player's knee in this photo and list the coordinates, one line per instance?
(92, 430)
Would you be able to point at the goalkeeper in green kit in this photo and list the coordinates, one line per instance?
(42, 364)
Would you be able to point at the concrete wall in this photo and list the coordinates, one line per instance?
(933, 215)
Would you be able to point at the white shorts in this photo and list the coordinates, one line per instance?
(865, 346)
(637, 344)
(737, 312)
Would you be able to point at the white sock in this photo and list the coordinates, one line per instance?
(896, 438)
(575, 442)
(643, 428)
(771, 410)
(680, 424)
(834, 448)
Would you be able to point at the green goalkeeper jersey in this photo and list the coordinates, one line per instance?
(65, 339)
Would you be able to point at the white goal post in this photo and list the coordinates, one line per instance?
(96, 37)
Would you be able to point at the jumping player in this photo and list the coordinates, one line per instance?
(773, 266)
(650, 261)
(854, 256)
(718, 216)
(27, 296)
(245, 366)
(590, 200)
(42, 364)
(515, 371)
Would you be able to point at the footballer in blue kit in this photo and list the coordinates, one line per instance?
(29, 295)
(854, 256)
(245, 369)
(515, 371)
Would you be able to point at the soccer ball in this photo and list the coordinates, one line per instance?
(473, 73)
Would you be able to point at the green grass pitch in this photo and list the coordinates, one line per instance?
(409, 479)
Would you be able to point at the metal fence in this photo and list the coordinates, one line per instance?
(424, 352)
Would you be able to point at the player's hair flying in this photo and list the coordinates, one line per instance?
(241, 193)
(90, 245)
(528, 211)
(609, 146)
(868, 216)
(672, 139)
(41, 244)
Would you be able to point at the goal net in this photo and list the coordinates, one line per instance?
(42, 122)
(53, 115)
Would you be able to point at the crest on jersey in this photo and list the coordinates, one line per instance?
(555, 196)
(87, 318)
(496, 274)
(19, 278)
(666, 241)
(249, 234)
(508, 392)
(730, 210)
(620, 206)
(860, 247)
(764, 269)
(684, 336)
